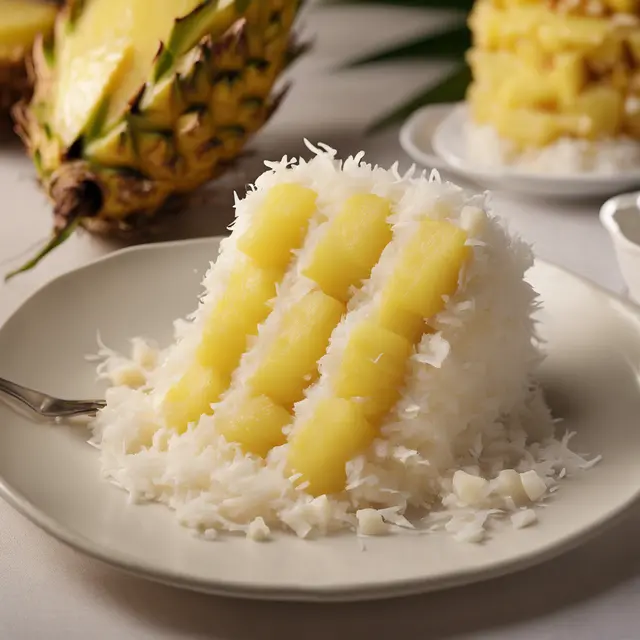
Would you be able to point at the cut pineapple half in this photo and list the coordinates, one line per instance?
(109, 56)
(139, 101)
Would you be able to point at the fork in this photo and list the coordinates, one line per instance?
(48, 406)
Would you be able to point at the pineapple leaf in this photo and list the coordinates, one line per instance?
(59, 236)
(451, 89)
(449, 43)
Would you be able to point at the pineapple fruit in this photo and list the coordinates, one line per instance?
(21, 21)
(549, 70)
(297, 271)
(132, 106)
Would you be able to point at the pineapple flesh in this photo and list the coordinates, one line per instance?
(133, 106)
(242, 307)
(260, 358)
(374, 361)
(289, 363)
(21, 21)
(546, 71)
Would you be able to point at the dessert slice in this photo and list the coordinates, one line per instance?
(362, 338)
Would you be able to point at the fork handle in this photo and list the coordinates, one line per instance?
(48, 406)
(31, 398)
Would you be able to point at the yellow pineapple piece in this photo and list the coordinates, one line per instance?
(527, 127)
(601, 108)
(428, 269)
(492, 67)
(494, 28)
(192, 396)
(290, 363)
(623, 6)
(320, 450)
(632, 40)
(351, 246)
(372, 368)
(279, 226)
(568, 77)
(527, 90)
(525, 86)
(632, 122)
(405, 323)
(243, 306)
(256, 424)
(560, 32)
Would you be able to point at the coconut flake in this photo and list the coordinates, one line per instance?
(371, 523)
(258, 530)
(470, 490)
(523, 518)
(533, 485)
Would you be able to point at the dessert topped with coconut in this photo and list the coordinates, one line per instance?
(556, 85)
(363, 357)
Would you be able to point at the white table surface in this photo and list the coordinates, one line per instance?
(48, 591)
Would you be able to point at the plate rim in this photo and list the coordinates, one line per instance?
(461, 109)
(443, 161)
(302, 593)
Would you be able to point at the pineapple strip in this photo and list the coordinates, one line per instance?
(256, 424)
(244, 305)
(338, 425)
(372, 364)
(285, 360)
(280, 226)
(290, 364)
(350, 248)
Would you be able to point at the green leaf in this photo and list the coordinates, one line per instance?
(449, 43)
(451, 89)
(56, 240)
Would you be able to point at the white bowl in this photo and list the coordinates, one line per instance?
(620, 216)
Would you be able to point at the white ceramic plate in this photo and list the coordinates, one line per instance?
(52, 476)
(434, 137)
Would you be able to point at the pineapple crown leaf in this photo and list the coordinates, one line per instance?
(451, 89)
(59, 236)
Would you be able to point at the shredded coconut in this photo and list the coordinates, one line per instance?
(470, 440)
(566, 156)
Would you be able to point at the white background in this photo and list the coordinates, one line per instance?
(48, 591)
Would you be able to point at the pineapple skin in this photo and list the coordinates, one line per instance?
(179, 132)
(14, 82)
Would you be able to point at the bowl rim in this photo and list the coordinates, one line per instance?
(607, 218)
